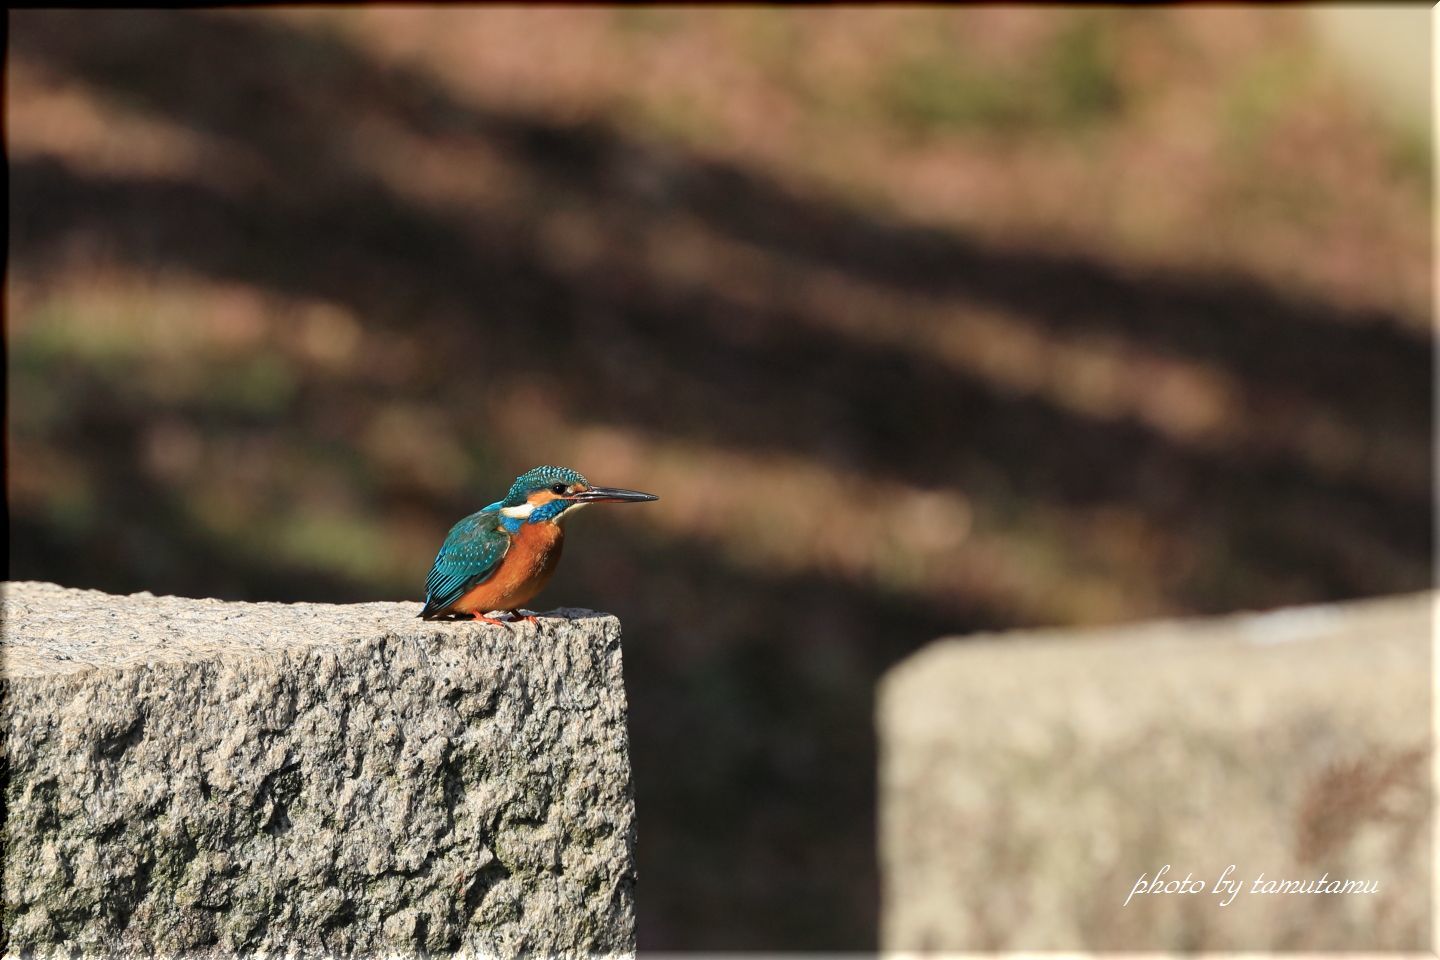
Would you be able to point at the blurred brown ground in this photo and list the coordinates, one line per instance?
(920, 322)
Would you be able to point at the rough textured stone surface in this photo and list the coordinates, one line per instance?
(211, 778)
(1028, 781)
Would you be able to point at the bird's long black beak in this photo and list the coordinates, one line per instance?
(612, 495)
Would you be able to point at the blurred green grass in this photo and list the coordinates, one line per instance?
(1069, 85)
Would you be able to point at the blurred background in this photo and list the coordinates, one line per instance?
(920, 322)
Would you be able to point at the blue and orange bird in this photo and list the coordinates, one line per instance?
(500, 557)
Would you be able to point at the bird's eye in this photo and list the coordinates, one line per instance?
(558, 489)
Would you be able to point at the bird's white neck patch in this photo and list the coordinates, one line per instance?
(520, 512)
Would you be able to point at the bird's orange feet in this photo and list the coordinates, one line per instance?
(514, 615)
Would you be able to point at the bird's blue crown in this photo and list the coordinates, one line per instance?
(538, 479)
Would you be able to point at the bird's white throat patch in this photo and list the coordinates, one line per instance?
(520, 512)
(565, 514)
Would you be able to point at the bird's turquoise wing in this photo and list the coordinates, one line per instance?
(469, 555)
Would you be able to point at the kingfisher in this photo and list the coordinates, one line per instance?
(501, 556)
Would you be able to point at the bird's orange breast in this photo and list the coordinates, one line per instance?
(527, 566)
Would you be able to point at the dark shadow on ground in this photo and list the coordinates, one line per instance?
(751, 695)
